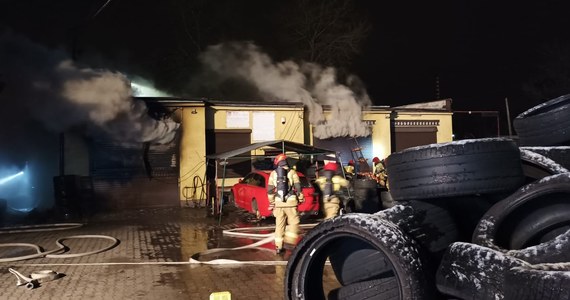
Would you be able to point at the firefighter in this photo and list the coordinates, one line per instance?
(284, 193)
(349, 169)
(380, 172)
(330, 184)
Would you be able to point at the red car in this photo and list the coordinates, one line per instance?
(251, 194)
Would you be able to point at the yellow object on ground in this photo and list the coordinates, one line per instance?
(225, 295)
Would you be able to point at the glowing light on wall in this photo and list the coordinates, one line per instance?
(8, 178)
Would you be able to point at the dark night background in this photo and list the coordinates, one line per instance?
(480, 51)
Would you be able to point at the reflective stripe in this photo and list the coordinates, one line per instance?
(291, 234)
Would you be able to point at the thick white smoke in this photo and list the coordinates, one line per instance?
(47, 85)
(288, 81)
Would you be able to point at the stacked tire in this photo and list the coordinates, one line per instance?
(486, 218)
(394, 254)
(521, 246)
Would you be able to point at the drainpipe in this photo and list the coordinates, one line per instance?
(393, 116)
(61, 154)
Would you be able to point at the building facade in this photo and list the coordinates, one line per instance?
(150, 175)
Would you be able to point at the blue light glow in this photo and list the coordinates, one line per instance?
(16, 188)
(8, 178)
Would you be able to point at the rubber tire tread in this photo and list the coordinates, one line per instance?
(472, 272)
(431, 224)
(358, 261)
(404, 254)
(526, 283)
(560, 154)
(537, 166)
(384, 288)
(553, 251)
(538, 223)
(546, 124)
(466, 167)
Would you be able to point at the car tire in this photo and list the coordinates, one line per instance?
(365, 196)
(384, 288)
(536, 166)
(255, 208)
(431, 224)
(495, 229)
(467, 167)
(538, 282)
(469, 271)
(532, 228)
(546, 124)
(357, 261)
(303, 276)
(559, 154)
(232, 199)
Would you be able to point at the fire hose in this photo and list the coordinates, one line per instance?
(38, 277)
(60, 246)
(35, 278)
(243, 233)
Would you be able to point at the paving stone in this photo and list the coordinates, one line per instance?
(150, 262)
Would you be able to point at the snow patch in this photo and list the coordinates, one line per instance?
(461, 142)
(542, 161)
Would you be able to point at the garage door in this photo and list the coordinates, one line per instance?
(411, 133)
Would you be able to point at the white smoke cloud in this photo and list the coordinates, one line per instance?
(288, 81)
(47, 85)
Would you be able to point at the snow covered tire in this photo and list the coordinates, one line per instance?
(430, 223)
(467, 167)
(469, 271)
(303, 276)
(495, 229)
(538, 282)
(546, 124)
(559, 154)
(386, 288)
(536, 166)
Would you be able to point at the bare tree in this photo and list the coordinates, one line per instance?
(328, 32)
(552, 75)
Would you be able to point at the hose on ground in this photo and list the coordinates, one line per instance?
(61, 248)
(239, 232)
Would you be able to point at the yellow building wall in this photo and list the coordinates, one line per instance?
(381, 135)
(291, 129)
(192, 154)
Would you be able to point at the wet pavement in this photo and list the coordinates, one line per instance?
(152, 259)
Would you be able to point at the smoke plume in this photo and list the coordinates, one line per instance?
(48, 86)
(288, 81)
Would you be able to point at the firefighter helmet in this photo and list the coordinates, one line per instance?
(280, 160)
(375, 160)
(351, 162)
(331, 167)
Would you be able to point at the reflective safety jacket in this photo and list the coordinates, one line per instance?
(290, 196)
(337, 183)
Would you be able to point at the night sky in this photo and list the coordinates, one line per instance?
(481, 51)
